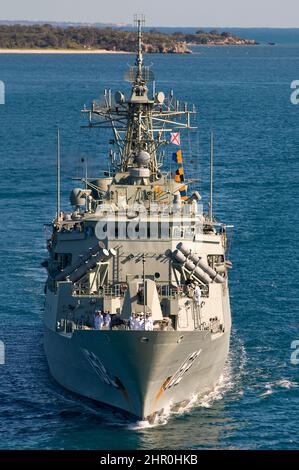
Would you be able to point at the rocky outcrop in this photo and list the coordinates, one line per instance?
(229, 41)
(214, 38)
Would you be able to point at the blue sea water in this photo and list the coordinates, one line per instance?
(243, 94)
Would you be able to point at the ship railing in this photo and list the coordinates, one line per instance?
(213, 325)
(170, 292)
(106, 292)
(175, 292)
(113, 291)
(165, 291)
(67, 327)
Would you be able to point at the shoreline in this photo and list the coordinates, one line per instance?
(60, 51)
(99, 51)
(222, 44)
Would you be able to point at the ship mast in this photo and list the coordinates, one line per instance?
(211, 176)
(141, 123)
(58, 176)
(139, 136)
(139, 22)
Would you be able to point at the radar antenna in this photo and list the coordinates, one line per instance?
(58, 176)
(139, 21)
(141, 121)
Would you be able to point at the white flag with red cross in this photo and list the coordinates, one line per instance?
(175, 138)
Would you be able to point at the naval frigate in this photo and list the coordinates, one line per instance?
(137, 312)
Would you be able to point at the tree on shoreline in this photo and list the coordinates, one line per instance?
(47, 36)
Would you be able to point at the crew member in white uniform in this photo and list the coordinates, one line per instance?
(197, 296)
(98, 320)
(149, 324)
(140, 321)
(133, 321)
(107, 320)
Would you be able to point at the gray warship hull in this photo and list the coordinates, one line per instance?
(137, 312)
(131, 370)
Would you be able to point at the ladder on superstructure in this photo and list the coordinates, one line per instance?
(196, 310)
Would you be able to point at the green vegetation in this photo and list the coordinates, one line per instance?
(85, 37)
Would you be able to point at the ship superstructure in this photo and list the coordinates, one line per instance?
(137, 311)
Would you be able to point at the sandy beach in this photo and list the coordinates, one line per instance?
(60, 51)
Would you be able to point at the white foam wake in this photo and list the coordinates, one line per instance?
(224, 384)
(272, 387)
(229, 380)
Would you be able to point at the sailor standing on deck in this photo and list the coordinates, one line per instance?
(107, 320)
(197, 296)
(149, 324)
(141, 321)
(98, 320)
(136, 322)
(132, 321)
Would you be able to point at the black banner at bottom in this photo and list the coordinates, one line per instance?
(134, 459)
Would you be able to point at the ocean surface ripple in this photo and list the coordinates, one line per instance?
(243, 94)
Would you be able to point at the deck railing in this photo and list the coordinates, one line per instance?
(165, 291)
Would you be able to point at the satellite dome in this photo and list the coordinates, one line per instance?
(160, 97)
(143, 158)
